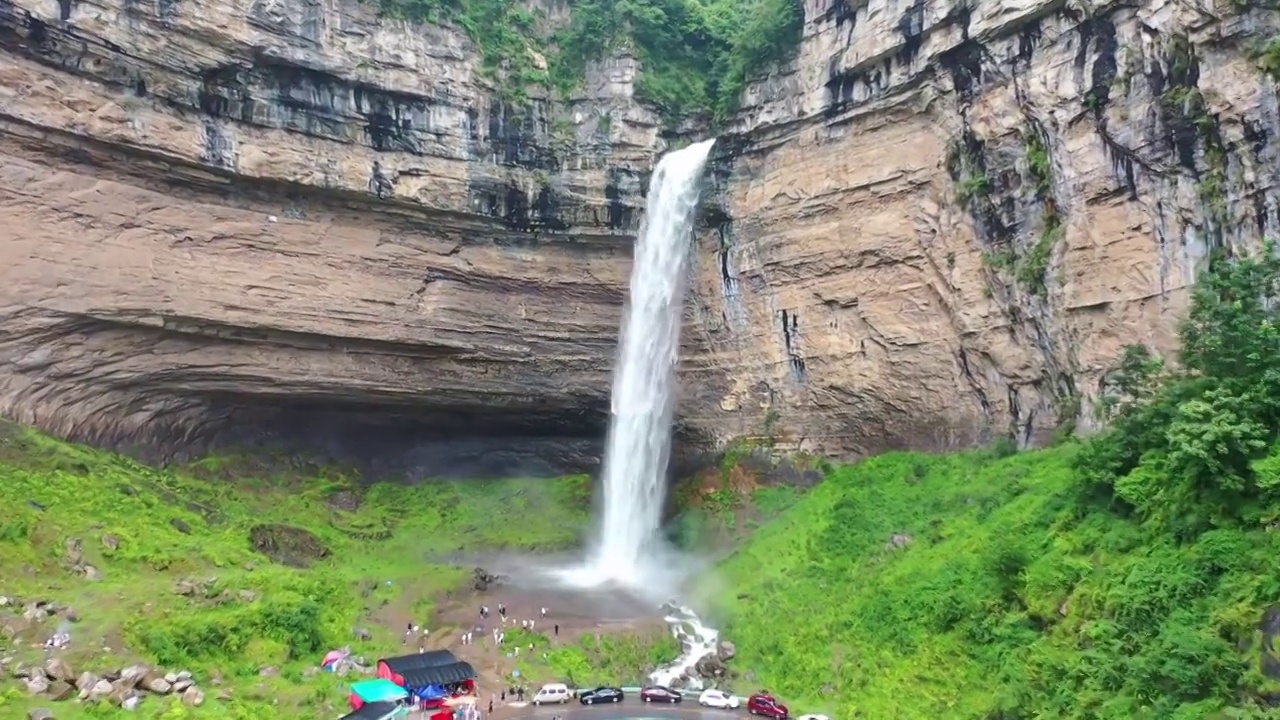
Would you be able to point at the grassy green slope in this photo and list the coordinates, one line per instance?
(196, 523)
(1013, 599)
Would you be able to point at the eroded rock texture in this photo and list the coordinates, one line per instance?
(946, 220)
(229, 221)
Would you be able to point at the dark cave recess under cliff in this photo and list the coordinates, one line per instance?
(384, 440)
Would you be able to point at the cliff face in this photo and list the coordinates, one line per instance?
(947, 219)
(229, 220)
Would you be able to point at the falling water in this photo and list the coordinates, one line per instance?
(644, 385)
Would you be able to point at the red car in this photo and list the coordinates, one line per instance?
(657, 693)
(768, 706)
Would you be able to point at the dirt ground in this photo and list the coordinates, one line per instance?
(525, 593)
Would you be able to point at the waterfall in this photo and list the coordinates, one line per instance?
(644, 384)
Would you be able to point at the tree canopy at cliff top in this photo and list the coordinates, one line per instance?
(696, 55)
(1132, 575)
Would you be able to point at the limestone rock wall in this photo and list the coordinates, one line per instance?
(257, 216)
(942, 224)
(248, 219)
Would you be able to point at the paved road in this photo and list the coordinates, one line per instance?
(629, 709)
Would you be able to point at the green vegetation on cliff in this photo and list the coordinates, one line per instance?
(1132, 575)
(695, 55)
(233, 565)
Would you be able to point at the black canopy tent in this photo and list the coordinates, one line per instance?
(417, 661)
(372, 711)
(442, 675)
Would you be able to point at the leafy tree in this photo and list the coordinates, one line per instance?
(1190, 448)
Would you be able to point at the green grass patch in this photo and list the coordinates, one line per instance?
(605, 659)
(1010, 601)
(144, 530)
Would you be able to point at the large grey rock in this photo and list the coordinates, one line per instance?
(86, 681)
(193, 696)
(37, 685)
(59, 669)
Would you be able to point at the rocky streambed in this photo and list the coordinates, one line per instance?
(702, 653)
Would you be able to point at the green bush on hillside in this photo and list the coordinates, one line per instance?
(1196, 450)
(696, 55)
(1123, 577)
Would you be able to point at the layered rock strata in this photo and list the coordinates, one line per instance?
(944, 222)
(229, 221)
(240, 220)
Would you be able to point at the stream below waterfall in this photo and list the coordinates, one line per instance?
(700, 651)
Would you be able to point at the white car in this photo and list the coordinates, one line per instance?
(553, 693)
(718, 699)
(813, 717)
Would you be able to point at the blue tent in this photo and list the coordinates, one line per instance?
(429, 692)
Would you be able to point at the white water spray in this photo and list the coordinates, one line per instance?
(627, 548)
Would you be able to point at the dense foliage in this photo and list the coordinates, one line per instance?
(696, 55)
(1122, 577)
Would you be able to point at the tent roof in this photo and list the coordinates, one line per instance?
(371, 711)
(438, 675)
(378, 690)
(417, 661)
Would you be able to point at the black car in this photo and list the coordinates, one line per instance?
(600, 695)
(657, 693)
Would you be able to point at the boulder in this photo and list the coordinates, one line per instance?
(131, 702)
(185, 587)
(131, 676)
(75, 551)
(726, 650)
(11, 627)
(59, 669)
(111, 542)
(193, 696)
(40, 714)
(60, 690)
(158, 685)
(37, 685)
(181, 684)
(897, 541)
(35, 671)
(86, 681)
(710, 667)
(362, 634)
(171, 677)
(35, 611)
(100, 691)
